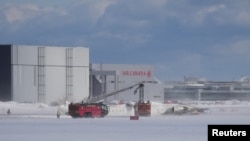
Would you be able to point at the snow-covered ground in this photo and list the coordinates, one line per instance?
(38, 122)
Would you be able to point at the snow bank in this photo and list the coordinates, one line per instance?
(43, 110)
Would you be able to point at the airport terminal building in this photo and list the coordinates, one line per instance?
(202, 90)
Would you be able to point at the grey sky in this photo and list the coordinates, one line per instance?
(209, 39)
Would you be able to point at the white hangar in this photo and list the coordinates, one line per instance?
(108, 78)
(44, 74)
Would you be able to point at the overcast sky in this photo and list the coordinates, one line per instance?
(201, 38)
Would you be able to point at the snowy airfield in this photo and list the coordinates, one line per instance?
(38, 122)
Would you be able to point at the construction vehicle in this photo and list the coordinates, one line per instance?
(94, 106)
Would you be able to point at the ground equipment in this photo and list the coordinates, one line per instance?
(94, 106)
(88, 110)
(142, 108)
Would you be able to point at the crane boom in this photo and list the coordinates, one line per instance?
(104, 96)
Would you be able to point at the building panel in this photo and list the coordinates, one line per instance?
(24, 83)
(81, 88)
(55, 86)
(81, 57)
(55, 56)
(5, 73)
(24, 55)
(49, 74)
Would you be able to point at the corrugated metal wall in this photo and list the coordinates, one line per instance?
(49, 74)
